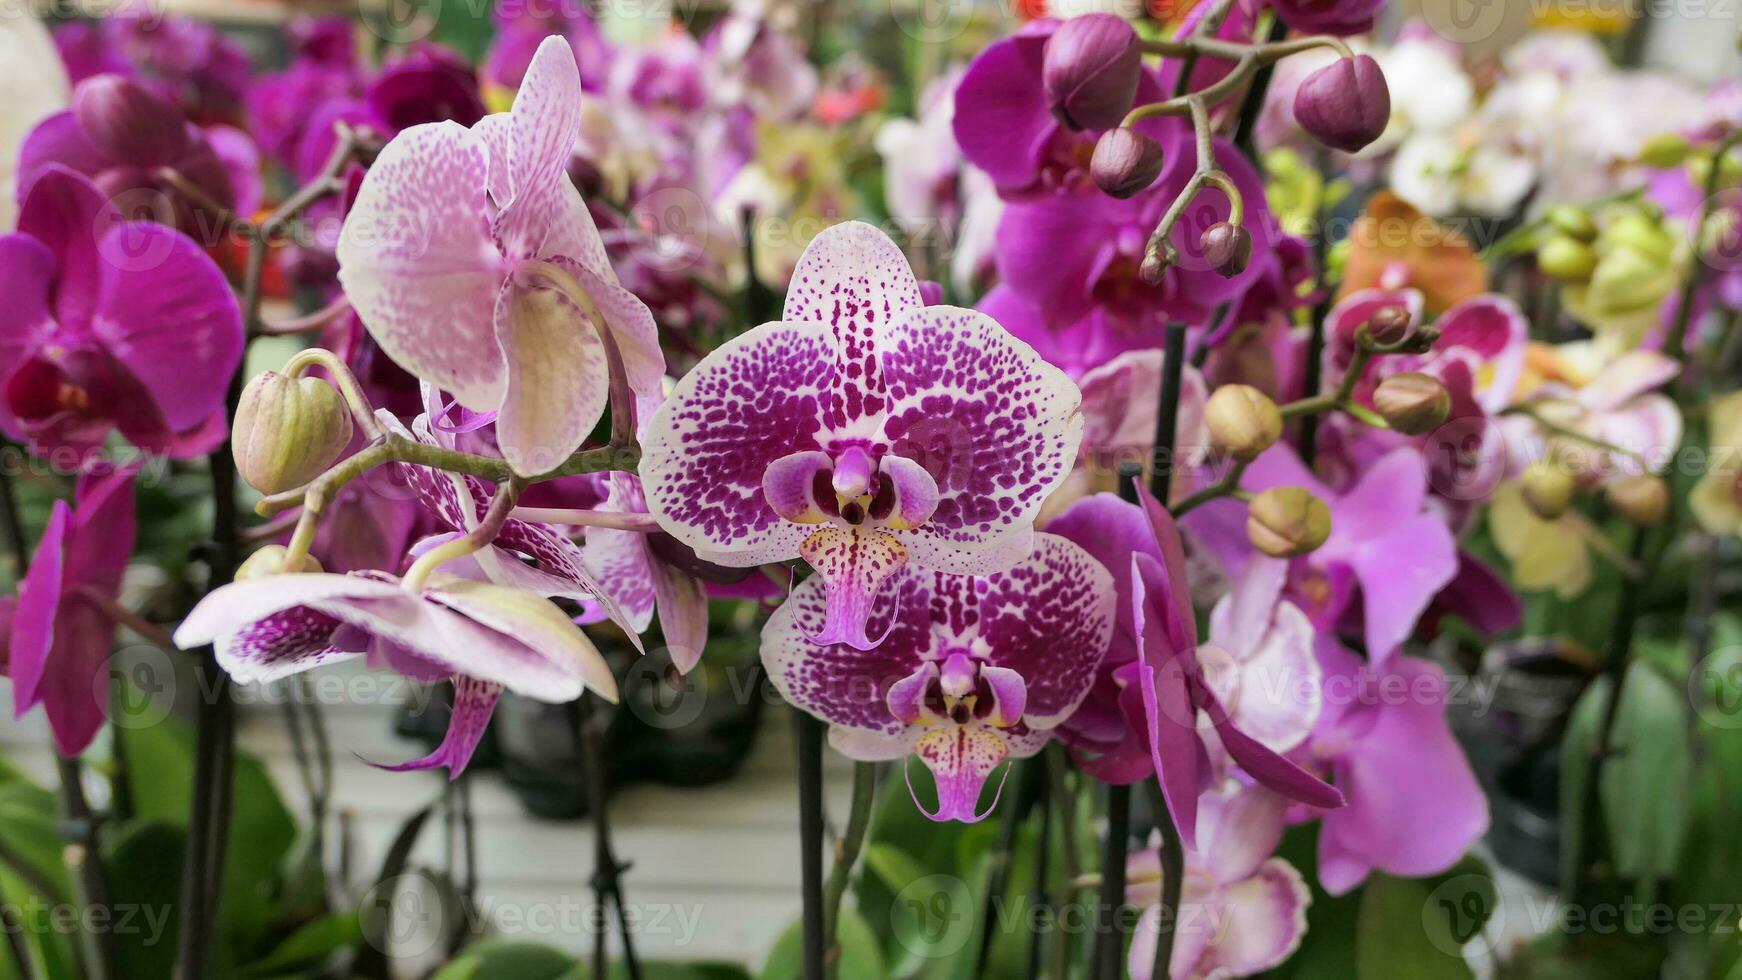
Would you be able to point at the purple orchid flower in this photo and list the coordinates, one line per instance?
(184, 60)
(972, 671)
(125, 138)
(641, 579)
(1241, 912)
(1414, 805)
(1386, 558)
(484, 637)
(1142, 716)
(111, 324)
(60, 637)
(324, 67)
(862, 430)
(474, 263)
(1342, 17)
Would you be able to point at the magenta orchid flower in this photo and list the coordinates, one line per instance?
(473, 262)
(1344, 17)
(1241, 912)
(1143, 716)
(1387, 556)
(111, 325)
(1485, 335)
(485, 637)
(60, 636)
(862, 431)
(642, 581)
(1414, 806)
(972, 671)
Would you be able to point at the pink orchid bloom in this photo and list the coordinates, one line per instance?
(642, 581)
(1414, 806)
(972, 670)
(475, 264)
(60, 639)
(862, 431)
(110, 324)
(1241, 912)
(1486, 335)
(1150, 694)
(1259, 660)
(1385, 549)
(484, 637)
(1618, 406)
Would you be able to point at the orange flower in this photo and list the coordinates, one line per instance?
(1394, 245)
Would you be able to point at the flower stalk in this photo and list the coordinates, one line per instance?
(847, 848)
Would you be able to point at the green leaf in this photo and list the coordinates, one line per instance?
(504, 960)
(1328, 950)
(309, 946)
(1401, 933)
(861, 957)
(893, 866)
(143, 863)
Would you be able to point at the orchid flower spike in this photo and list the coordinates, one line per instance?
(973, 671)
(862, 431)
(474, 263)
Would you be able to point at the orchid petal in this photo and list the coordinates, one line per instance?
(27, 274)
(1264, 925)
(996, 439)
(1264, 765)
(1633, 373)
(682, 601)
(854, 566)
(752, 401)
(1009, 694)
(558, 378)
(534, 625)
(1169, 717)
(960, 758)
(1400, 573)
(1050, 618)
(283, 643)
(474, 703)
(418, 263)
(68, 214)
(33, 621)
(906, 697)
(790, 486)
(913, 494)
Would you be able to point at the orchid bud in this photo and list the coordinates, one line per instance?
(1642, 499)
(1412, 403)
(1227, 248)
(1243, 421)
(1125, 162)
(1566, 258)
(1548, 487)
(1640, 233)
(287, 431)
(1570, 219)
(1090, 71)
(1285, 522)
(1346, 104)
(1153, 267)
(1665, 150)
(128, 122)
(272, 560)
(1388, 325)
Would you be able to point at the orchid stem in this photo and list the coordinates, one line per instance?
(808, 735)
(847, 848)
(1227, 486)
(119, 614)
(1675, 343)
(1167, 412)
(607, 870)
(1109, 937)
(474, 540)
(90, 887)
(998, 874)
(1060, 794)
(615, 520)
(1173, 872)
(310, 321)
(361, 410)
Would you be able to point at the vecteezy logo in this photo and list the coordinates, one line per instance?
(931, 916)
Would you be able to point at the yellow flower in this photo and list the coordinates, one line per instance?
(1544, 554)
(1716, 499)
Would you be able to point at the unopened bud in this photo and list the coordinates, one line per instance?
(272, 560)
(1090, 71)
(1548, 487)
(1565, 257)
(1346, 104)
(1388, 325)
(1284, 522)
(1153, 267)
(1125, 162)
(129, 123)
(1642, 499)
(1227, 248)
(1665, 150)
(287, 431)
(1570, 219)
(1412, 403)
(1640, 233)
(1243, 421)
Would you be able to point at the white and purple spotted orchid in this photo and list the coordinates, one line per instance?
(484, 637)
(474, 263)
(972, 671)
(862, 431)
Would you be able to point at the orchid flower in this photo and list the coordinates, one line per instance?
(111, 324)
(33, 85)
(60, 636)
(861, 432)
(474, 263)
(1414, 806)
(484, 637)
(1386, 557)
(1612, 402)
(1241, 910)
(642, 581)
(1259, 660)
(1150, 693)
(972, 671)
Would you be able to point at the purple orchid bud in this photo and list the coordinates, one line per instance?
(1090, 72)
(128, 123)
(1227, 248)
(1345, 105)
(1389, 325)
(1125, 162)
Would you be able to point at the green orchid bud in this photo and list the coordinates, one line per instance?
(288, 431)
(1548, 487)
(1285, 522)
(1665, 150)
(1572, 220)
(1412, 403)
(1565, 257)
(1628, 279)
(274, 560)
(1640, 233)
(1642, 500)
(1243, 421)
